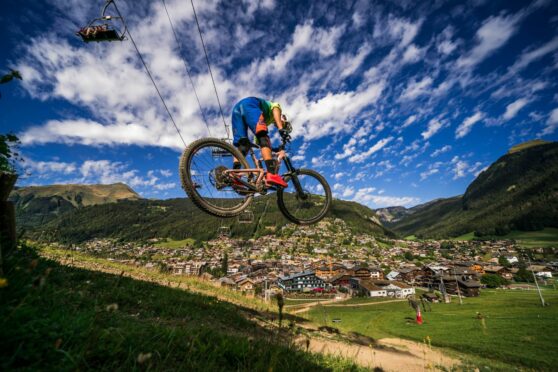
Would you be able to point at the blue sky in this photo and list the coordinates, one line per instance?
(396, 103)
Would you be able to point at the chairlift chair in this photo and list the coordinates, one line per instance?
(224, 231)
(103, 29)
(246, 217)
(218, 152)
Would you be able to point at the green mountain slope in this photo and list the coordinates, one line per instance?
(518, 192)
(38, 204)
(133, 220)
(61, 318)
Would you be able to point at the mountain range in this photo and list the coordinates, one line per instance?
(75, 213)
(517, 192)
(36, 205)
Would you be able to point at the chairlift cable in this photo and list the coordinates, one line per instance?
(209, 67)
(186, 67)
(149, 73)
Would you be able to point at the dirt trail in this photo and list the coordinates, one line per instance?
(391, 354)
(303, 308)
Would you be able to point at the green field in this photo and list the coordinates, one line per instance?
(547, 237)
(59, 318)
(170, 243)
(516, 330)
(469, 236)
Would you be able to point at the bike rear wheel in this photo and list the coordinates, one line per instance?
(312, 204)
(201, 173)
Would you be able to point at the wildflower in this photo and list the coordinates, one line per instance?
(33, 264)
(3, 282)
(112, 307)
(58, 343)
(142, 358)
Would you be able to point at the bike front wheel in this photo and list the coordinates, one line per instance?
(203, 167)
(307, 198)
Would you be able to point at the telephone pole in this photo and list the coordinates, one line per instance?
(536, 282)
(458, 290)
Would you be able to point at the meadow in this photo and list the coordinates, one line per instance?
(171, 243)
(547, 237)
(512, 327)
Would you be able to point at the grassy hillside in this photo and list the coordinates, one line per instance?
(518, 192)
(515, 330)
(179, 219)
(37, 205)
(60, 318)
(547, 237)
(526, 145)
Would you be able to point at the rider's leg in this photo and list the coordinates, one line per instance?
(240, 132)
(265, 147)
(272, 178)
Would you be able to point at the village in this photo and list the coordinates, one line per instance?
(328, 260)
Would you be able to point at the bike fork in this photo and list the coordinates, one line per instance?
(294, 176)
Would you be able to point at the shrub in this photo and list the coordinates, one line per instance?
(493, 280)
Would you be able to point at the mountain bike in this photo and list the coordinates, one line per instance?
(208, 177)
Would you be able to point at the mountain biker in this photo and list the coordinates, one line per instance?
(257, 114)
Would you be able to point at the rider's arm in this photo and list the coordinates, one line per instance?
(277, 117)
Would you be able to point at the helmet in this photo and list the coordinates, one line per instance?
(286, 123)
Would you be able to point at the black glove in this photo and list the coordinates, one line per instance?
(284, 135)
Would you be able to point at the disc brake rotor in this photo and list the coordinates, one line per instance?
(219, 178)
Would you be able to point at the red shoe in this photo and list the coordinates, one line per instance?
(275, 180)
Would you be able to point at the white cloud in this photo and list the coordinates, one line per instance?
(465, 127)
(434, 126)
(462, 168)
(412, 54)
(88, 132)
(529, 57)
(366, 196)
(415, 89)
(348, 149)
(459, 169)
(350, 63)
(424, 175)
(402, 30)
(513, 108)
(442, 150)
(445, 44)
(359, 158)
(552, 123)
(97, 172)
(410, 120)
(493, 34)
(306, 38)
(348, 192)
(49, 167)
(332, 113)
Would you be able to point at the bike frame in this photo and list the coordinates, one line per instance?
(259, 186)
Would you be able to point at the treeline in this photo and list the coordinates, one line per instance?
(139, 220)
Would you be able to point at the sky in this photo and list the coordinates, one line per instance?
(396, 103)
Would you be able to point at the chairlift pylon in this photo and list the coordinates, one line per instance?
(103, 28)
(224, 231)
